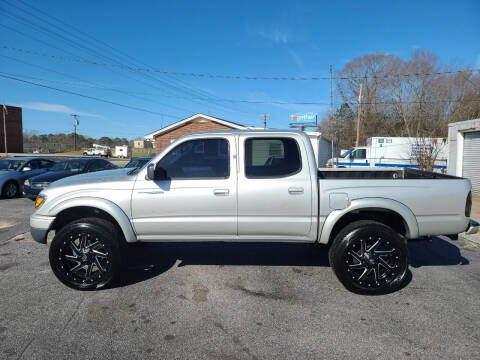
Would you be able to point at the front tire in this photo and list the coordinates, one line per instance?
(85, 254)
(10, 190)
(368, 257)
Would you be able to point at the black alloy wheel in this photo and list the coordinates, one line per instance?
(369, 258)
(85, 254)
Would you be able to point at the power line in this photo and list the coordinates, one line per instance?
(231, 77)
(88, 97)
(71, 76)
(88, 83)
(176, 87)
(273, 102)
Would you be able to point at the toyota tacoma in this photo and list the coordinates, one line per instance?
(244, 186)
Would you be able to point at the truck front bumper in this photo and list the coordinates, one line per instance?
(39, 227)
(472, 227)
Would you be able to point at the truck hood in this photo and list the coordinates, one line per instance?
(100, 179)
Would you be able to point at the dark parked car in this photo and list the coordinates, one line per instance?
(14, 171)
(62, 169)
(138, 162)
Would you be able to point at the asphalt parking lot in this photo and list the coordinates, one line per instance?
(234, 301)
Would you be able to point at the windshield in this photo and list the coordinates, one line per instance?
(70, 165)
(137, 163)
(346, 153)
(11, 164)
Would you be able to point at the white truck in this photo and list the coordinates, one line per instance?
(98, 150)
(122, 151)
(400, 152)
(244, 186)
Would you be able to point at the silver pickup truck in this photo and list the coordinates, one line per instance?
(245, 186)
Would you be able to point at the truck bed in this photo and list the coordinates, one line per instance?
(357, 174)
(436, 200)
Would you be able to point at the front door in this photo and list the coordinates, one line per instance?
(199, 199)
(274, 188)
(35, 167)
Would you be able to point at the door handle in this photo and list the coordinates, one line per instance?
(295, 190)
(221, 192)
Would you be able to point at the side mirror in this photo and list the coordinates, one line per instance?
(350, 156)
(26, 168)
(156, 173)
(151, 172)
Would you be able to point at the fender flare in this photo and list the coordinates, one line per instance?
(109, 207)
(371, 203)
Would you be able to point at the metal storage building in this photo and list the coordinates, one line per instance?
(464, 151)
(322, 148)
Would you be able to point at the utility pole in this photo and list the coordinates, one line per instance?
(75, 124)
(359, 111)
(265, 118)
(331, 111)
(4, 110)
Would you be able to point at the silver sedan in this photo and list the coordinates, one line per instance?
(14, 171)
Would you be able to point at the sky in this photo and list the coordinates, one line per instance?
(97, 52)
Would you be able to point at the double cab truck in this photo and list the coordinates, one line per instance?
(252, 185)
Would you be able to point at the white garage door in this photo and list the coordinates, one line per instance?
(471, 159)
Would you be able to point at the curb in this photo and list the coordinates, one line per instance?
(472, 239)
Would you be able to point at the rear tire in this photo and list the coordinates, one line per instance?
(85, 254)
(10, 190)
(368, 257)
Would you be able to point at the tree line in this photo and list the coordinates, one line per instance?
(51, 143)
(417, 98)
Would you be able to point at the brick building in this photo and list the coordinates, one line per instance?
(198, 122)
(14, 130)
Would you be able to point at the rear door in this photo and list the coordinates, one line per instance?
(199, 199)
(95, 165)
(274, 188)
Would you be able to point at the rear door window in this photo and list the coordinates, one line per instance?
(96, 165)
(46, 164)
(271, 157)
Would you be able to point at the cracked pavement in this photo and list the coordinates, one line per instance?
(234, 301)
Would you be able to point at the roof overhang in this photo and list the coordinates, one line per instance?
(194, 118)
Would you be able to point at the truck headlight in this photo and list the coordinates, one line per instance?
(26, 182)
(41, 185)
(40, 200)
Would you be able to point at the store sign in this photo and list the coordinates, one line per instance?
(304, 118)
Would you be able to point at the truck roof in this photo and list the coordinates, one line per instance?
(247, 131)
